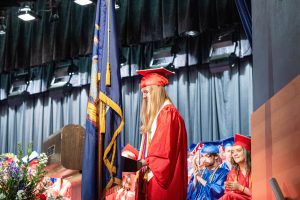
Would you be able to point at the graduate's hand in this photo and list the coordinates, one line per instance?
(195, 180)
(201, 180)
(195, 172)
(233, 185)
(144, 163)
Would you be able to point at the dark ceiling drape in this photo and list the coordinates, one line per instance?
(34, 43)
(144, 21)
(140, 21)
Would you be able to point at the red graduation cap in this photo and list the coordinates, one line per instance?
(243, 141)
(198, 147)
(131, 151)
(156, 76)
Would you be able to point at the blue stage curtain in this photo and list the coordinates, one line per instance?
(244, 9)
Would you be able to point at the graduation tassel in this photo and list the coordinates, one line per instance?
(107, 80)
(107, 75)
(102, 117)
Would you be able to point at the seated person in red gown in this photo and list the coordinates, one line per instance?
(127, 190)
(238, 183)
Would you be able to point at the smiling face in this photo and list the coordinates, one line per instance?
(238, 154)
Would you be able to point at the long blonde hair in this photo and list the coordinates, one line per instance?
(150, 107)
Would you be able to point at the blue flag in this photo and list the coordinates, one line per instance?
(104, 111)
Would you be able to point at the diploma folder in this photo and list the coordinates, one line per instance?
(130, 165)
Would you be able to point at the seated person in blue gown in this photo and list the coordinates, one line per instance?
(208, 183)
(227, 144)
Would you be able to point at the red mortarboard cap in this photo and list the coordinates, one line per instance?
(243, 141)
(156, 76)
(131, 149)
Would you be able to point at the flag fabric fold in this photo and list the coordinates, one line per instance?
(104, 111)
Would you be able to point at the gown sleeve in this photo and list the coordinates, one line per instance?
(192, 190)
(165, 146)
(230, 177)
(216, 189)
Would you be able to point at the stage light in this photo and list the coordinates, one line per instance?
(166, 57)
(61, 84)
(2, 29)
(19, 84)
(191, 33)
(2, 22)
(62, 75)
(26, 13)
(222, 55)
(162, 57)
(83, 2)
(117, 4)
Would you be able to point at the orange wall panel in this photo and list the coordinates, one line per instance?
(275, 128)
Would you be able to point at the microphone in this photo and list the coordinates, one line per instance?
(276, 189)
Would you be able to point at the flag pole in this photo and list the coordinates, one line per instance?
(100, 163)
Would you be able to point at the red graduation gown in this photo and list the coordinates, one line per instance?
(167, 157)
(243, 180)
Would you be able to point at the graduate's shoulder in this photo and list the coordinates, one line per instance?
(223, 170)
(170, 109)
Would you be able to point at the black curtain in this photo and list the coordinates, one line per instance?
(144, 21)
(35, 43)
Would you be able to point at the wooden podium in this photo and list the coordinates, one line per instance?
(65, 154)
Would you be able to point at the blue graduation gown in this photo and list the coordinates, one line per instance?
(225, 166)
(213, 190)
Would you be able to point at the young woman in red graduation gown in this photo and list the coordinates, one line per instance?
(238, 184)
(164, 142)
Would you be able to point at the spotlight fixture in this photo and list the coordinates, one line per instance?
(222, 55)
(62, 74)
(117, 4)
(26, 13)
(2, 22)
(161, 57)
(191, 33)
(169, 56)
(19, 84)
(61, 81)
(2, 26)
(83, 2)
